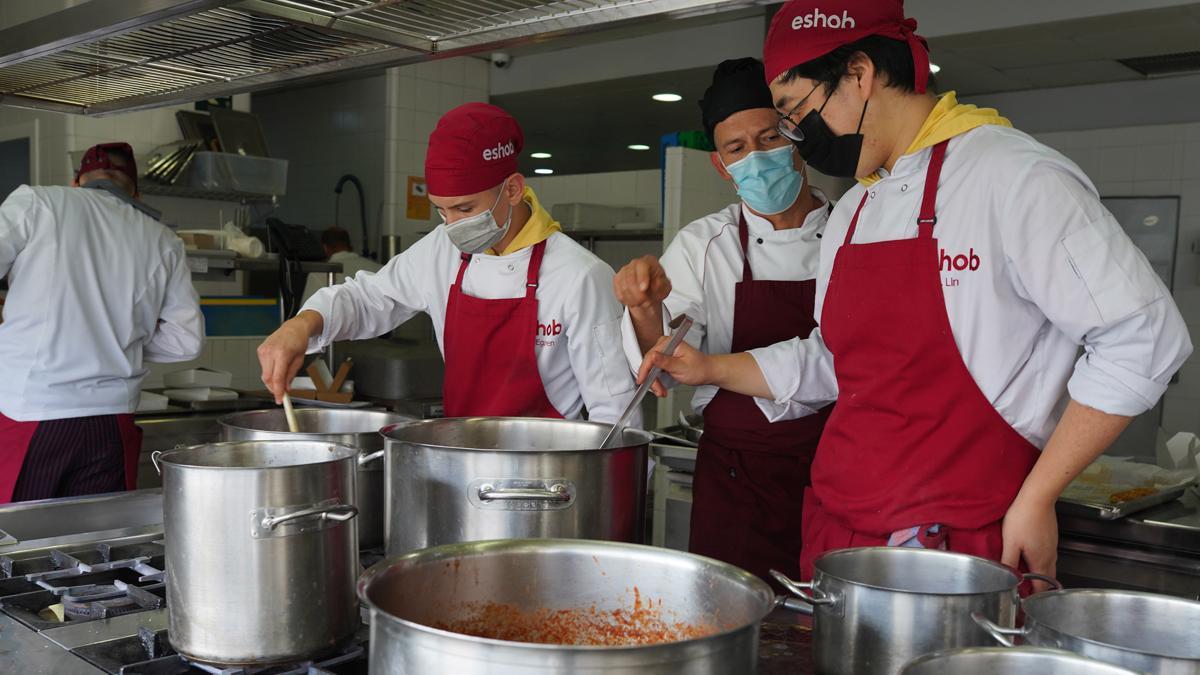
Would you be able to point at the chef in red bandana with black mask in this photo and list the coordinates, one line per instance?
(958, 281)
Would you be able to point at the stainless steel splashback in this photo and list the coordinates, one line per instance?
(104, 56)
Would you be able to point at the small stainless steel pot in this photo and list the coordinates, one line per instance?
(407, 594)
(358, 428)
(1002, 661)
(475, 478)
(1147, 632)
(262, 552)
(877, 608)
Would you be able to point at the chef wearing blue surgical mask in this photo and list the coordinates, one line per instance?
(745, 274)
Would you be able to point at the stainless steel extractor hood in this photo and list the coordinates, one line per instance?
(105, 56)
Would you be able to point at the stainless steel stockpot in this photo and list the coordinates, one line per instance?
(877, 608)
(474, 478)
(1147, 632)
(357, 428)
(261, 549)
(1002, 661)
(409, 594)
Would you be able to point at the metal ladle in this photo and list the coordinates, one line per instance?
(681, 326)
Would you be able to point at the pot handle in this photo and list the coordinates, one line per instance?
(1002, 635)
(159, 453)
(794, 604)
(338, 512)
(1055, 584)
(802, 590)
(555, 493)
(363, 460)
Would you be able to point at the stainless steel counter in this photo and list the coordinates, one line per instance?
(1156, 550)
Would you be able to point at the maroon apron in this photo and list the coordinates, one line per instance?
(68, 457)
(491, 366)
(748, 487)
(913, 441)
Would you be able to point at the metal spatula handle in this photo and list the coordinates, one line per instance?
(684, 323)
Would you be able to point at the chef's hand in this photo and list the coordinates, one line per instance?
(642, 283)
(282, 353)
(1030, 533)
(688, 365)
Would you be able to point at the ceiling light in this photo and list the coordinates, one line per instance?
(543, 172)
(639, 146)
(935, 68)
(541, 155)
(667, 98)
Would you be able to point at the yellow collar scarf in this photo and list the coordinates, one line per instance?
(538, 228)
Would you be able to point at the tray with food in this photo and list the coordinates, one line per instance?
(1112, 488)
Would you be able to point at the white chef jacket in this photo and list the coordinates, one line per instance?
(96, 287)
(352, 263)
(704, 264)
(1033, 266)
(578, 343)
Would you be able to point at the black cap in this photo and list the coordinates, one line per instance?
(737, 85)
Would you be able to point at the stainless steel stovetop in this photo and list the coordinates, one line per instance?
(85, 597)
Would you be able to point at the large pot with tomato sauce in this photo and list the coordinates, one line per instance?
(541, 606)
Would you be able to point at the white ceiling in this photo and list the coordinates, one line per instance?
(587, 125)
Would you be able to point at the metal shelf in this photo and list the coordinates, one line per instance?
(228, 260)
(588, 238)
(158, 190)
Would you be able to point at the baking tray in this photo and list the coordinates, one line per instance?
(1106, 511)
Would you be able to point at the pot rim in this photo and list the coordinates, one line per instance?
(1016, 576)
(1110, 668)
(1049, 595)
(462, 549)
(646, 437)
(347, 453)
(235, 421)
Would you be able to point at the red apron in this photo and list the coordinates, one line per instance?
(748, 486)
(53, 457)
(491, 366)
(913, 441)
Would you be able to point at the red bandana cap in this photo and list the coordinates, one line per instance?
(473, 148)
(96, 158)
(803, 30)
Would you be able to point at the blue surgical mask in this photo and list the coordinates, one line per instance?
(767, 180)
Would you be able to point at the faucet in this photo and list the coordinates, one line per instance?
(362, 208)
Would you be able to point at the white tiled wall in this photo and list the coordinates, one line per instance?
(415, 97)
(1161, 160)
(233, 354)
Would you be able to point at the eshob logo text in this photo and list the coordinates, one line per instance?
(818, 19)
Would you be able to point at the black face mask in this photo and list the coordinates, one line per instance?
(824, 150)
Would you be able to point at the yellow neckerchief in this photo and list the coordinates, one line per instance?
(948, 119)
(538, 228)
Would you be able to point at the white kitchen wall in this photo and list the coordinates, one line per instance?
(416, 97)
(1160, 160)
(236, 355)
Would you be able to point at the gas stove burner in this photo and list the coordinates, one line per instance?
(84, 603)
(348, 655)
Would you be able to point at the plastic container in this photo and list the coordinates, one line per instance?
(227, 172)
(148, 401)
(198, 377)
(201, 394)
(580, 216)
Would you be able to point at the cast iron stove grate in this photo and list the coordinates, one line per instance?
(150, 653)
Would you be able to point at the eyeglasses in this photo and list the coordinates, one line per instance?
(789, 127)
